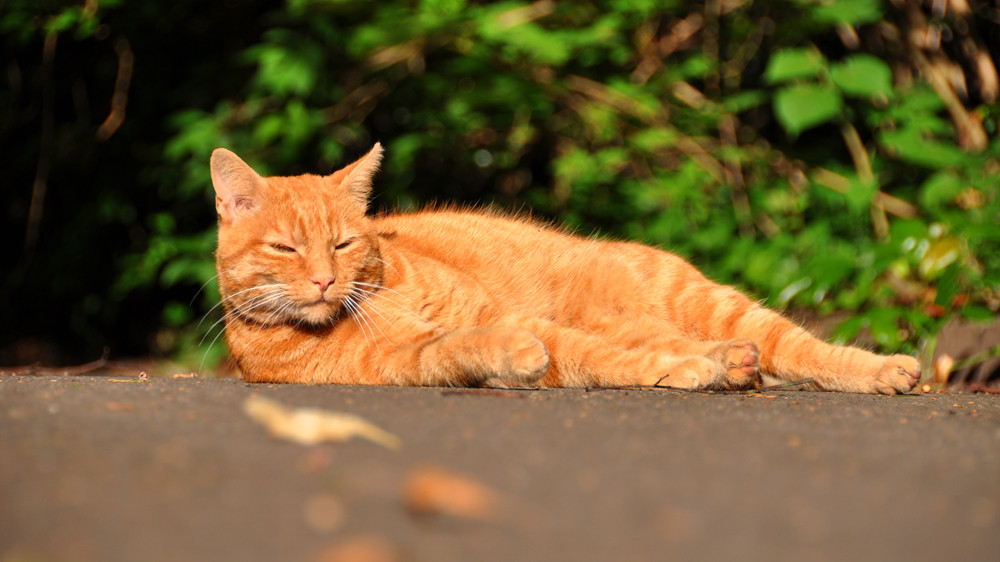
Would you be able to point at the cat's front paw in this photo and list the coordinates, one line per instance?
(684, 372)
(898, 374)
(525, 357)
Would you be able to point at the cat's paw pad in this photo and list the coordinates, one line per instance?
(686, 372)
(898, 374)
(741, 360)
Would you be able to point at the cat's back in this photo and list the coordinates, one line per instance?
(480, 236)
(517, 255)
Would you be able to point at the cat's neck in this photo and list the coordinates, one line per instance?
(267, 349)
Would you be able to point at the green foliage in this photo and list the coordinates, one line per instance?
(761, 142)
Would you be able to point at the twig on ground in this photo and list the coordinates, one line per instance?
(41, 371)
(802, 382)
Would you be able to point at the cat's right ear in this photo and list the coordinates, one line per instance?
(237, 185)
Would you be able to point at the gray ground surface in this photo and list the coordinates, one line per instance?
(108, 468)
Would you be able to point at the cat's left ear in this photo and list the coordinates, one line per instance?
(358, 180)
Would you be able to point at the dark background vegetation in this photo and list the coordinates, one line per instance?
(836, 156)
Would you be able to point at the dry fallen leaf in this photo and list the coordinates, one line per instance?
(432, 490)
(942, 368)
(309, 426)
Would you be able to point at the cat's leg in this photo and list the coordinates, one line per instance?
(790, 353)
(498, 355)
(737, 359)
(582, 359)
(705, 310)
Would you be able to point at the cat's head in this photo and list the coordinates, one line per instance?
(294, 250)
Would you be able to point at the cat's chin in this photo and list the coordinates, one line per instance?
(317, 315)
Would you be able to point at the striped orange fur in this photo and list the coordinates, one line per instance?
(317, 291)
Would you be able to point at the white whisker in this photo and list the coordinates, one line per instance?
(354, 312)
(374, 308)
(367, 293)
(205, 355)
(205, 284)
(387, 264)
(230, 297)
(276, 312)
(361, 311)
(254, 303)
(381, 288)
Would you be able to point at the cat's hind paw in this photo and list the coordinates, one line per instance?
(741, 360)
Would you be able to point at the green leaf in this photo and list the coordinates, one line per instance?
(804, 106)
(853, 12)
(883, 325)
(742, 101)
(979, 313)
(538, 44)
(791, 290)
(65, 20)
(268, 128)
(522, 38)
(940, 189)
(862, 76)
(847, 330)
(694, 66)
(175, 313)
(287, 64)
(947, 287)
(909, 144)
(916, 102)
(859, 196)
(902, 230)
(653, 138)
(830, 268)
(791, 64)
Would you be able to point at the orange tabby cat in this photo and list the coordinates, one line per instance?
(316, 291)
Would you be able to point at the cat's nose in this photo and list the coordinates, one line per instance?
(323, 282)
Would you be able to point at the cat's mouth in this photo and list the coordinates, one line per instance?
(322, 306)
(317, 313)
(321, 310)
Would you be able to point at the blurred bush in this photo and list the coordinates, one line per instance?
(832, 155)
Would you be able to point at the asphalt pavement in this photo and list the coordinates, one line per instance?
(111, 467)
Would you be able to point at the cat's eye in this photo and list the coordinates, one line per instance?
(283, 248)
(344, 244)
